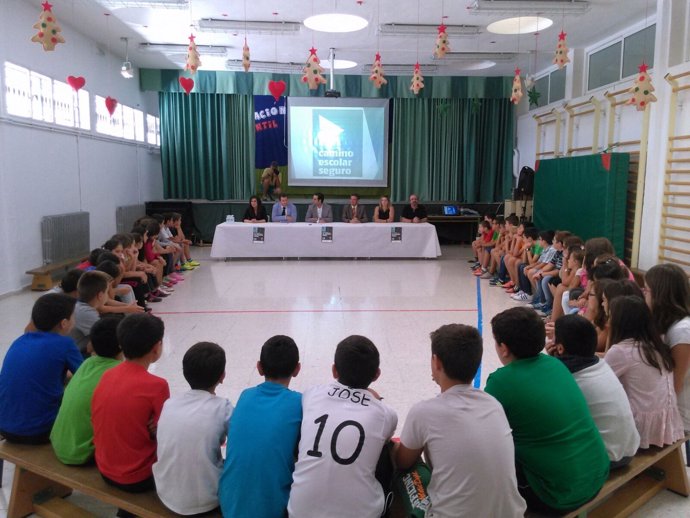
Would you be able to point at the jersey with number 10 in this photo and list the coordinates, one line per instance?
(342, 435)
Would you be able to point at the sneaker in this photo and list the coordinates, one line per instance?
(166, 290)
(521, 296)
(538, 305)
(194, 263)
(479, 271)
(187, 267)
(176, 276)
(475, 265)
(473, 261)
(494, 282)
(486, 275)
(154, 299)
(509, 284)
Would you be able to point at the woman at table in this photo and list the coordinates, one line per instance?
(384, 211)
(255, 213)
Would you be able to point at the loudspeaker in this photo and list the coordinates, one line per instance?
(525, 185)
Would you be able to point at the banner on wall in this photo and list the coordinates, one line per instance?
(270, 129)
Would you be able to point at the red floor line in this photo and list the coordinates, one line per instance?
(244, 311)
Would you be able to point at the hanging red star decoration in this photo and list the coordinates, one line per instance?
(562, 35)
(643, 67)
(312, 51)
(561, 57)
(191, 37)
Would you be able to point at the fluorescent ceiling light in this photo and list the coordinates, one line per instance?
(401, 70)
(408, 29)
(335, 22)
(265, 66)
(164, 4)
(169, 48)
(477, 65)
(520, 25)
(338, 64)
(253, 27)
(496, 57)
(536, 6)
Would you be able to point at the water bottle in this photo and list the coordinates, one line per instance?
(230, 219)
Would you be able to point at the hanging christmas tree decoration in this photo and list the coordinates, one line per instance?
(110, 105)
(193, 59)
(642, 89)
(417, 80)
(441, 42)
(245, 56)
(533, 96)
(48, 33)
(517, 88)
(313, 71)
(561, 57)
(377, 76)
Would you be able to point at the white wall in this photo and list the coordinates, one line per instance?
(44, 171)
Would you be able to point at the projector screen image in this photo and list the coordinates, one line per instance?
(337, 142)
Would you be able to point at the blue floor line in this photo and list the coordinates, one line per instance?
(478, 376)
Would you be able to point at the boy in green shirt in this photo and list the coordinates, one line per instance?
(72, 434)
(560, 456)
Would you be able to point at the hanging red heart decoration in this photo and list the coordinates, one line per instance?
(76, 82)
(276, 88)
(110, 104)
(187, 84)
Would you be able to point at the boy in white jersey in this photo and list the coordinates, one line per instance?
(344, 428)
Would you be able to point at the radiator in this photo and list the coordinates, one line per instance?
(126, 216)
(65, 236)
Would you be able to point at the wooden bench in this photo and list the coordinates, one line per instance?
(629, 488)
(41, 481)
(43, 275)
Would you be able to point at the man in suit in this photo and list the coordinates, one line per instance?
(284, 211)
(319, 211)
(354, 212)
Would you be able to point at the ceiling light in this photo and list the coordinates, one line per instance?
(265, 66)
(165, 4)
(496, 57)
(168, 48)
(336, 22)
(520, 25)
(126, 69)
(477, 65)
(250, 27)
(409, 29)
(401, 70)
(560, 7)
(338, 64)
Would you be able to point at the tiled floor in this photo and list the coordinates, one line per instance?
(239, 304)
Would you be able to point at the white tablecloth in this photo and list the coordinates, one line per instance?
(304, 240)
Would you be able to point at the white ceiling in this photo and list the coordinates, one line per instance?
(172, 26)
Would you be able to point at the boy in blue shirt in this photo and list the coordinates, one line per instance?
(262, 438)
(33, 373)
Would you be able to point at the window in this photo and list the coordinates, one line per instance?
(33, 95)
(621, 58)
(128, 123)
(605, 66)
(153, 135)
(551, 88)
(637, 48)
(139, 134)
(557, 85)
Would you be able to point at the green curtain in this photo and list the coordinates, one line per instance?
(452, 149)
(207, 145)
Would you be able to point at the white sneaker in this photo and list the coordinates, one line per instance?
(521, 296)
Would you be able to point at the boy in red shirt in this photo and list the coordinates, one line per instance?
(126, 406)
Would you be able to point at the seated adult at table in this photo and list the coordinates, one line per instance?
(284, 211)
(319, 211)
(384, 211)
(256, 212)
(270, 181)
(414, 212)
(354, 212)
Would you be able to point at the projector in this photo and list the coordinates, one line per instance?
(332, 93)
(127, 71)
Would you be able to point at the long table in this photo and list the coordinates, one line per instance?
(307, 240)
